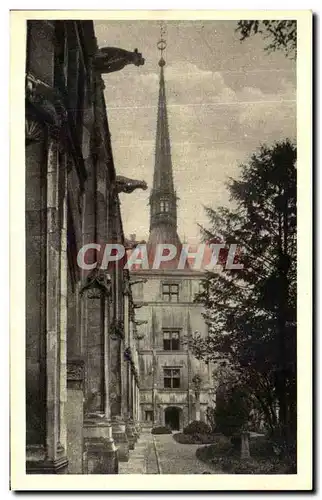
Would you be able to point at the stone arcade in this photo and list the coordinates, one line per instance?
(82, 376)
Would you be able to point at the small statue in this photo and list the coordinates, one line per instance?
(110, 59)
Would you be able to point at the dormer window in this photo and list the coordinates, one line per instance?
(164, 206)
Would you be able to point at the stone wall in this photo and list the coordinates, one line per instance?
(185, 316)
(78, 322)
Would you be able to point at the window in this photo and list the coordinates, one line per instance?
(164, 206)
(170, 293)
(149, 415)
(171, 340)
(171, 378)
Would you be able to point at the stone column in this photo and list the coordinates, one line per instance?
(126, 371)
(48, 455)
(126, 345)
(134, 399)
(35, 294)
(117, 370)
(100, 451)
(139, 412)
(56, 304)
(63, 302)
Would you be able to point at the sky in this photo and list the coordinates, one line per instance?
(225, 98)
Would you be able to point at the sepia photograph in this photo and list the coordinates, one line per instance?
(161, 207)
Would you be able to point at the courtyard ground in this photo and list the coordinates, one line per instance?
(161, 454)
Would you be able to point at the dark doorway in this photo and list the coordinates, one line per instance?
(172, 418)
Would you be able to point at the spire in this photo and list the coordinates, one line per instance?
(163, 199)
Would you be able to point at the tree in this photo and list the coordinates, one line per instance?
(251, 312)
(232, 411)
(280, 35)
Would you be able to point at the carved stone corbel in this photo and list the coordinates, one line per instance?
(75, 373)
(46, 100)
(126, 288)
(34, 131)
(97, 282)
(139, 322)
(136, 282)
(139, 336)
(117, 330)
(127, 354)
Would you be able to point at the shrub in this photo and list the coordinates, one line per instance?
(232, 412)
(161, 430)
(197, 427)
(193, 438)
(261, 447)
(236, 442)
(252, 466)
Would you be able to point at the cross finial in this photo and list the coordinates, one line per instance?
(162, 43)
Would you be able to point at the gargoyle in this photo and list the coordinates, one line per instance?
(126, 185)
(110, 59)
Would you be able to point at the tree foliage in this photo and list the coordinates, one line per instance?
(251, 312)
(280, 35)
(232, 410)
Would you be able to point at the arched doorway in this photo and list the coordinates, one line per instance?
(172, 417)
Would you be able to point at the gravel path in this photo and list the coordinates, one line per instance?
(161, 454)
(143, 459)
(176, 458)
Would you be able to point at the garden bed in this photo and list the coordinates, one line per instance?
(262, 461)
(196, 432)
(161, 430)
(197, 438)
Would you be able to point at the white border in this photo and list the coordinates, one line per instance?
(17, 270)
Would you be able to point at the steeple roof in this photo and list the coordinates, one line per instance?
(163, 198)
(163, 177)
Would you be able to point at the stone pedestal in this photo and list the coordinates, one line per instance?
(120, 438)
(132, 434)
(138, 429)
(37, 461)
(197, 411)
(100, 455)
(244, 446)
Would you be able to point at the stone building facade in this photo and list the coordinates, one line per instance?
(176, 388)
(82, 374)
